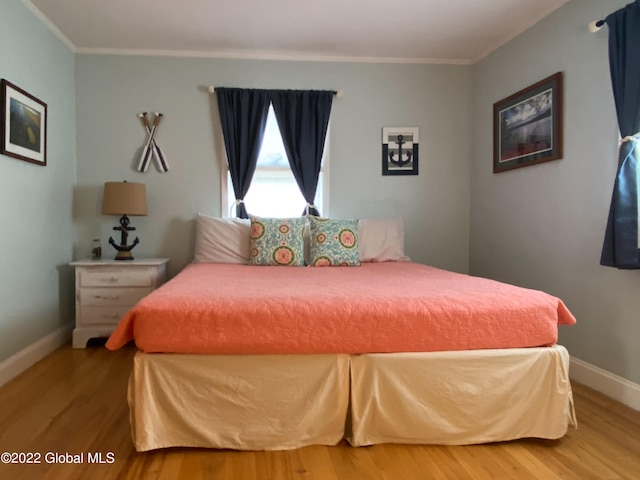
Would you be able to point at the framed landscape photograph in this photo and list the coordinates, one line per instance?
(24, 125)
(527, 126)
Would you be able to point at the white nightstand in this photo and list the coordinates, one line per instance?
(107, 289)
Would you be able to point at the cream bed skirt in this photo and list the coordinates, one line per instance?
(279, 402)
(243, 402)
(461, 398)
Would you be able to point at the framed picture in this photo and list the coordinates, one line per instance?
(527, 126)
(400, 150)
(24, 125)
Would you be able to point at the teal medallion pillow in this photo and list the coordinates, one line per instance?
(333, 242)
(277, 241)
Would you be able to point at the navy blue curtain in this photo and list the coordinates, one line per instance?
(621, 238)
(303, 120)
(243, 116)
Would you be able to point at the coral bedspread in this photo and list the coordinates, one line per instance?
(377, 307)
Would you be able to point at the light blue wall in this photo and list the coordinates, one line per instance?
(542, 226)
(112, 90)
(37, 231)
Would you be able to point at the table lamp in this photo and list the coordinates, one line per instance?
(124, 198)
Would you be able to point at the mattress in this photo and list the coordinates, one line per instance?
(375, 308)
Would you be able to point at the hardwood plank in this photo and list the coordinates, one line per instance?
(243, 465)
(354, 463)
(436, 461)
(74, 401)
(314, 463)
(397, 461)
(513, 456)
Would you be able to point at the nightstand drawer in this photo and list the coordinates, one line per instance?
(112, 296)
(100, 315)
(113, 277)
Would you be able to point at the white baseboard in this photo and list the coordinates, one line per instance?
(611, 385)
(21, 361)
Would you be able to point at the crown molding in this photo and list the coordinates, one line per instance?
(266, 55)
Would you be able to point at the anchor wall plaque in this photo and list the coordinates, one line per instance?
(400, 150)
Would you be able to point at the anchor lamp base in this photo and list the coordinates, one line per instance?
(124, 254)
(124, 250)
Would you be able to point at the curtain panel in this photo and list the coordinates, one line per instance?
(620, 247)
(303, 120)
(243, 117)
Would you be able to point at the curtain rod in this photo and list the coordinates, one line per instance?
(337, 93)
(596, 25)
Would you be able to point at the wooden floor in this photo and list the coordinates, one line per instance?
(74, 402)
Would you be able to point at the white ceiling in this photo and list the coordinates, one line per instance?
(437, 31)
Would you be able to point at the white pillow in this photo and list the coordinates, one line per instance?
(381, 240)
(222, 240)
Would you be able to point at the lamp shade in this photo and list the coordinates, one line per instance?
(124, 198)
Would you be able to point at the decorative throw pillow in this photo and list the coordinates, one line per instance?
(277, 241)
(333, 242)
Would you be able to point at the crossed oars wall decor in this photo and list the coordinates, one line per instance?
(151, 149)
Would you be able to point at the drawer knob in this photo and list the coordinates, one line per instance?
(113, 279)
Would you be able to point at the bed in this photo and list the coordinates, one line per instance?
(254, 357)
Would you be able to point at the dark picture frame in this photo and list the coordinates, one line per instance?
(400, 150)
(527, 126)
(24, 125)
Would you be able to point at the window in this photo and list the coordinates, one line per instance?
(274, 191)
